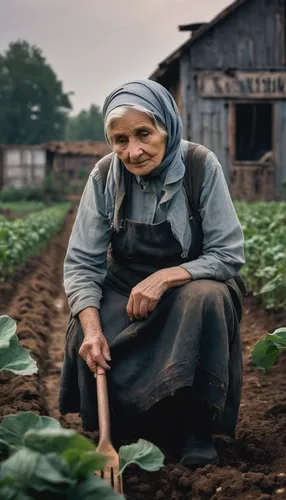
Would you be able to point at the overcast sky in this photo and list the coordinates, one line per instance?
(95, 45)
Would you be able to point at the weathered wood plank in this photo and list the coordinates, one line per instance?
(251, 37)
(280, 140)
(242, 85)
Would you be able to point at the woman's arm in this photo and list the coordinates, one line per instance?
(94, 349)
(85, 269)
(223, 246)
(145, 296)
(85, 264)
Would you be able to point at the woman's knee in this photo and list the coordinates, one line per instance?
(208, 291)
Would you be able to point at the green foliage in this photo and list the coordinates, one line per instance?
(264, 226)
(24, 237)
(19, 208)
(33, 105)
(142, 453)
(14, 427)
(45, 459)
(86, 126)
(13, 357)
(56, 189)
(266, 351)
(27, 193)
(51, 190)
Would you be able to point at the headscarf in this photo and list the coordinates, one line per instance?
(154, 97)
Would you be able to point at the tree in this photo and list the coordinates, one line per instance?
(87, 125)
(33, 106)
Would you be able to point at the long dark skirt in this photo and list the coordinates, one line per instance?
(191, 340)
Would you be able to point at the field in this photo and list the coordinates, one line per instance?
(253, 465)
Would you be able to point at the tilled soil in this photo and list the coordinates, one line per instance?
(253, 466)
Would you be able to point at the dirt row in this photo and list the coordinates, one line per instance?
(253, 466)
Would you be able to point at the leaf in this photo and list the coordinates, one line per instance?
(52, 474)
(142, 453)
(16, 359)
(8, 329)
(56, 440)
(83, 463)
(21, 466)
(5, 448)
(278, 336)
(14, 427)
(268, 287)
(93, 488)
(264, 354)
(9, 491)
(30, 469)
(6, 481)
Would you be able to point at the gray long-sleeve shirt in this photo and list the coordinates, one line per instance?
(86, 259)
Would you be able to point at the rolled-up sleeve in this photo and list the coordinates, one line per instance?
(223, 243)
(85, 263)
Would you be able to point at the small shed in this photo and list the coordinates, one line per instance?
(27, 165)
(229, 81)
(75, 159)
(22, 166)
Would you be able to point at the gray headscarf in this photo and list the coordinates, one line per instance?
(154, 97)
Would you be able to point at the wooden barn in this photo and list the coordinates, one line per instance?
(229, 81)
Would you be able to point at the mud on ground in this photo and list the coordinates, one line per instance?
(253, 466)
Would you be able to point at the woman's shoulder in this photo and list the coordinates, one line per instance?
(209, 158)
(100, 170)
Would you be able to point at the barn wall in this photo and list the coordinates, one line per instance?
(280, 134)
(251, 37)
(204, 120)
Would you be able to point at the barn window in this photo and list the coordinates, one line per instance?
(253, 131)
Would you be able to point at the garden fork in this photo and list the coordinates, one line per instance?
(111, 470)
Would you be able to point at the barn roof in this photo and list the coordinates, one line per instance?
(195, 36)
(84, 148)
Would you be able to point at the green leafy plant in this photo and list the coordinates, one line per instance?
(142, 453)
(45, 459)
(27, 193)
(264, 225)
(41, 458)
(13, 357)
(24, 237)
(20, 208)
(266, 351)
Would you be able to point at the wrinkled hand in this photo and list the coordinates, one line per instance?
(95, 351)
(145, 296)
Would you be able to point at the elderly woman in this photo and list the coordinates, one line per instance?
(154, 298)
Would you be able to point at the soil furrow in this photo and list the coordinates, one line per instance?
(251, 467)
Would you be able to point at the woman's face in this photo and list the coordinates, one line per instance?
(137, 142)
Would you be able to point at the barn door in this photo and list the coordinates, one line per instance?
(252, 154)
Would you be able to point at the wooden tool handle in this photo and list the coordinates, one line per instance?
(103, 408)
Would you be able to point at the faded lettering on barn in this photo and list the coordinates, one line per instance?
(242, 84)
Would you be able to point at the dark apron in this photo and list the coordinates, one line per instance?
(191, 339)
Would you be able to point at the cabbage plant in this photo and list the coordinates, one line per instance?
(13, 357)
(266, 351)
(42, 460)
